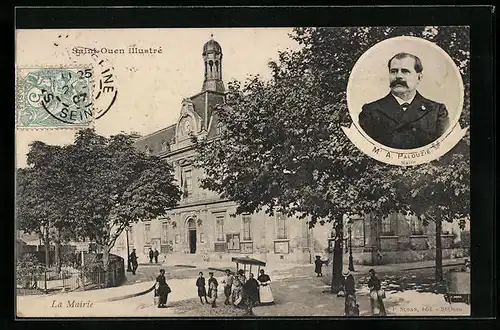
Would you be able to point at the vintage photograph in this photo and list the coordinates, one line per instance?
(405, 94)
(216, 172)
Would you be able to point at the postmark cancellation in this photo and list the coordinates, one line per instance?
(54, 97)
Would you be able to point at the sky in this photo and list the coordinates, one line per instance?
(150, 87)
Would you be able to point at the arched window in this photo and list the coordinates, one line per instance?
(217, 66)
(211, 63)
(147, 150)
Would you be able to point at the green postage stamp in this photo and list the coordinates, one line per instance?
(55, 97)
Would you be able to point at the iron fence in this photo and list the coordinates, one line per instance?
(72, 279)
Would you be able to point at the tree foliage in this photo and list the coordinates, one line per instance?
(103, 184)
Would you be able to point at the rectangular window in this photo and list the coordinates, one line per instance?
(308, 236)
(386, 226)
(281, 222)
(247, 227)
(147, 233)
(416, 226)
(202, 238)
(164, 232)
(219, 228)
(233, 242)
(188, 183)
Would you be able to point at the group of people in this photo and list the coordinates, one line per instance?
(153, 254)
(238, 290)
(351, 307)
(132, 258)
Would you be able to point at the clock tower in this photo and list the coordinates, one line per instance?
(212, 58)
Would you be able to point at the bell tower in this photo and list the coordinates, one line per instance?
(212, 58)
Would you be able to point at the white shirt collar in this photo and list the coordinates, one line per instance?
(401, 101)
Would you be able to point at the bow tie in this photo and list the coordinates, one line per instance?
(405, 106)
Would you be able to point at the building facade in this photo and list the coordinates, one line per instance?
(203, 224)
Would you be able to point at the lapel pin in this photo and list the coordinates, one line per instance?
(422, 107)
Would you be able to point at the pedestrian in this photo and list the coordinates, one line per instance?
(376, 294)
(155, 255)
(318, 264)
(237, 288)
(162, 289)
(202, 291)
(212, 288)
(228, 282)
(351, 307)
(151, 254)
(251, 293)
(133, 261)
(265, 292)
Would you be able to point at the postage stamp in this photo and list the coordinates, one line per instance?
(54, 97)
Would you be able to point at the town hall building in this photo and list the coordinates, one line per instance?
(204, 225)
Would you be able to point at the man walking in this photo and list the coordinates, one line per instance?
(155, 255)
(151, 256)
(133, 261)
(228, 282)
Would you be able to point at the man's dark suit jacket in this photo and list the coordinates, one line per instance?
(423, 122)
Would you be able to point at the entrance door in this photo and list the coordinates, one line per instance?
(192, 241)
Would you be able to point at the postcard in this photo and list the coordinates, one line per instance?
(243, 172)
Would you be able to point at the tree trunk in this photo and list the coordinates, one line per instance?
(338, 255)
(105, 261)
(57, 250)
(439, 252)
(47, 248)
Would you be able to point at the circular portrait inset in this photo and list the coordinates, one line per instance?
(405, 97)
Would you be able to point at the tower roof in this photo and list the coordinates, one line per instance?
(212, 46)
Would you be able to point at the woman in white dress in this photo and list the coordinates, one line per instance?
(265, 293)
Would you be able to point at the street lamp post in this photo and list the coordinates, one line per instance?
(129, 267)
(351, 263)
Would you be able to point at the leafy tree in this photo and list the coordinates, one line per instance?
(40, 190)
(28, 268)
(94, 188)
(282, 147)
(114, 185)
(440, 190)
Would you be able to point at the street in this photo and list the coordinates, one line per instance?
(297, 292)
